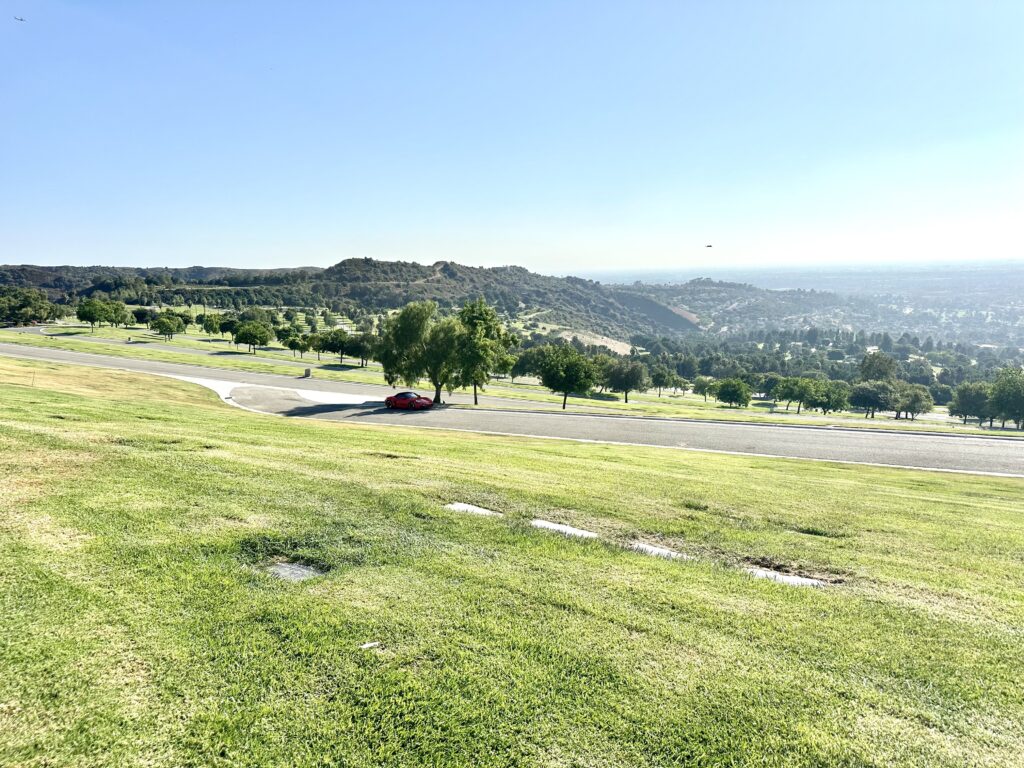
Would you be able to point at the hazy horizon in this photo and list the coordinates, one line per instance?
(567, 138)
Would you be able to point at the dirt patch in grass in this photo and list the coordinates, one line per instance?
(787, 573)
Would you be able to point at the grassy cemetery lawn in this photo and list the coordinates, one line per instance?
(139, 516)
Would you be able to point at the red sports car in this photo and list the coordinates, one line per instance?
(408, 401)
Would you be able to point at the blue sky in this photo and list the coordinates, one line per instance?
(563, 136)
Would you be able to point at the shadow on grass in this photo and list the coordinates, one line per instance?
(342, 367)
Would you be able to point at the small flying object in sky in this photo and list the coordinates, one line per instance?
(18, 18)
(707, 246)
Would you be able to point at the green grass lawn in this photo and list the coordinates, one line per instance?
(518, 395)
(139, 629)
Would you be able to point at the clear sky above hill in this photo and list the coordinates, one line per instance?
(563, 136)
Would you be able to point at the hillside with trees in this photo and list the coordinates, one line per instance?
(704, 307)
(357, 286)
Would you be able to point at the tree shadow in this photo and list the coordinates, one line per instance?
(357, 410)
(320, 409)
(341, 367)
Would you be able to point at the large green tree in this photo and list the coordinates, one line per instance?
(734, 392)
(415, 344)
(335, 342)
(565, 370)
(118, 314)
(211, 324)
(628, 376)
(253, 334)
(92, 311)
(1008, 396)
(167, 325)
(361, 347)
(829, 396)
(913, 400)
(486, 345)
(442, 354)
(703, 385)
(972, 400)
(662, 377)
(872, 396)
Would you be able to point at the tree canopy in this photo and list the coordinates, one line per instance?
(565, 370)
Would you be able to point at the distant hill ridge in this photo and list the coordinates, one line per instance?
(543, 302)
(568, 302)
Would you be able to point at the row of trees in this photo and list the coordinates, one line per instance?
(1002, 399)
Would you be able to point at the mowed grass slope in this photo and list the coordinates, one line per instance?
(139, 629)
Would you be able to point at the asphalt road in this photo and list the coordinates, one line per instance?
(283, 396)
(222, 348)
(225, 349)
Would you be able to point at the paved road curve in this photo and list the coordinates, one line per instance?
(281, 395)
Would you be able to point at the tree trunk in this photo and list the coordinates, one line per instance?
(437, 394)
(565, 396)
(626, 395)
(475, 402)
(798, 407)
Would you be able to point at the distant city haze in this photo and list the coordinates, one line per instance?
(569, 138)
